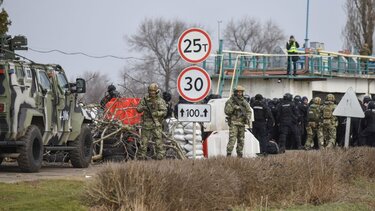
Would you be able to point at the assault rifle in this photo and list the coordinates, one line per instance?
(149, 110)
(243, 111)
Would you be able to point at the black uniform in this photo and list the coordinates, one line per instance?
(367, 135)
(262, 119)
(287, 117)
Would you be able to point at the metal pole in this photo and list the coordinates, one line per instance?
(218, 31)
(194, 144)
(347, 132)
(307, 25)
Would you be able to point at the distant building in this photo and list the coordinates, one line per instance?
(317, 45)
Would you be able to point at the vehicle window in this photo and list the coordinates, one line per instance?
(44, 81)
(19, 72)
(63, 83)
(28, 73)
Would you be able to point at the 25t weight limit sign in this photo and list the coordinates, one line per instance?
(194, 45)
(193, 84)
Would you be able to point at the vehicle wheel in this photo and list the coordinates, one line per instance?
(31, 154)
(80, 157)
(1, 160)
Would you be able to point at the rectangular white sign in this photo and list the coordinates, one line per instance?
(194, 112)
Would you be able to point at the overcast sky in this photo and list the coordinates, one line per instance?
(99, 27)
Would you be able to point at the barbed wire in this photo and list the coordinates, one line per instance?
(87, 55)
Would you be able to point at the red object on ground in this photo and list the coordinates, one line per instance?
(205, 150)
(124, 109)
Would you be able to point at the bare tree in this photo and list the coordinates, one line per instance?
(242, 34)
(359, 28)
(272, 35)
(158, 39)
(96, 86)
(248, 34)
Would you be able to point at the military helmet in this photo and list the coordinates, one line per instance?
(366, 99)
(288, 96)
(153, 87)
(258, 97)
(371, 105)
(239, 88)
(330, 97)
(317, 100)
(111, 88)
(297, 98)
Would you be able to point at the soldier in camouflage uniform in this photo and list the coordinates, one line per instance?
(314, 115)
(154, 110)
(238, 112)
(328, 122)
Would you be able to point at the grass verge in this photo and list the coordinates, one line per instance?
(42, 195)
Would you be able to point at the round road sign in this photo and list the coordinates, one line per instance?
(193, 84)
(194, 45)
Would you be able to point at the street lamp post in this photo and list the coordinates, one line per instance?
(218, 31)
(307, 25)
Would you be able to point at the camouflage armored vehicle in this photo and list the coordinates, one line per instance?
(39, 113)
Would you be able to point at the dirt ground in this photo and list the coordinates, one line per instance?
(10, 173)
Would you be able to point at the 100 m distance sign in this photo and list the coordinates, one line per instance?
(193, 84)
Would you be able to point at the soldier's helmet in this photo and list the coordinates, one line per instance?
(317, 100)
(258, 97)
(239, 89)
(371, 105)
(330, 97)
(297, 98)
(153, 89)
(366, 99)
(111, 88)
(288, 96)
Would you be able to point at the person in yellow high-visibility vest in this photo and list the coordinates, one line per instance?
(292, 47)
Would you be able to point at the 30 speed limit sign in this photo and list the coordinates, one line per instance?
(193, 84)
(194, 45)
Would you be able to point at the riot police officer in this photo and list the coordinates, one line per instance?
(262, 118)
(238, 113)
(287, 118)
(367, 135)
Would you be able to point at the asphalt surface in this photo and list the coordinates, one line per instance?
(10, 173)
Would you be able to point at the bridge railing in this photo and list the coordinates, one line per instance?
(320, 63)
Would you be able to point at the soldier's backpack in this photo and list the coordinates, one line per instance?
(313, 115)
(272, 147)
(327, 111)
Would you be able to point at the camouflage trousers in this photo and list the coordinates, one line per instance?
(313, 131)
(329, 135)
(236, 132)
(155, 135)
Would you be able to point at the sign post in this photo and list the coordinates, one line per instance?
(349, 107)
(194, 83)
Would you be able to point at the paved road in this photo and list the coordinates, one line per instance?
(10, 173)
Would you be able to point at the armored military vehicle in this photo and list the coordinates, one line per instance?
(39, 113)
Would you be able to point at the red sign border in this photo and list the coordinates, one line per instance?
(193, 100)
(209, 48)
